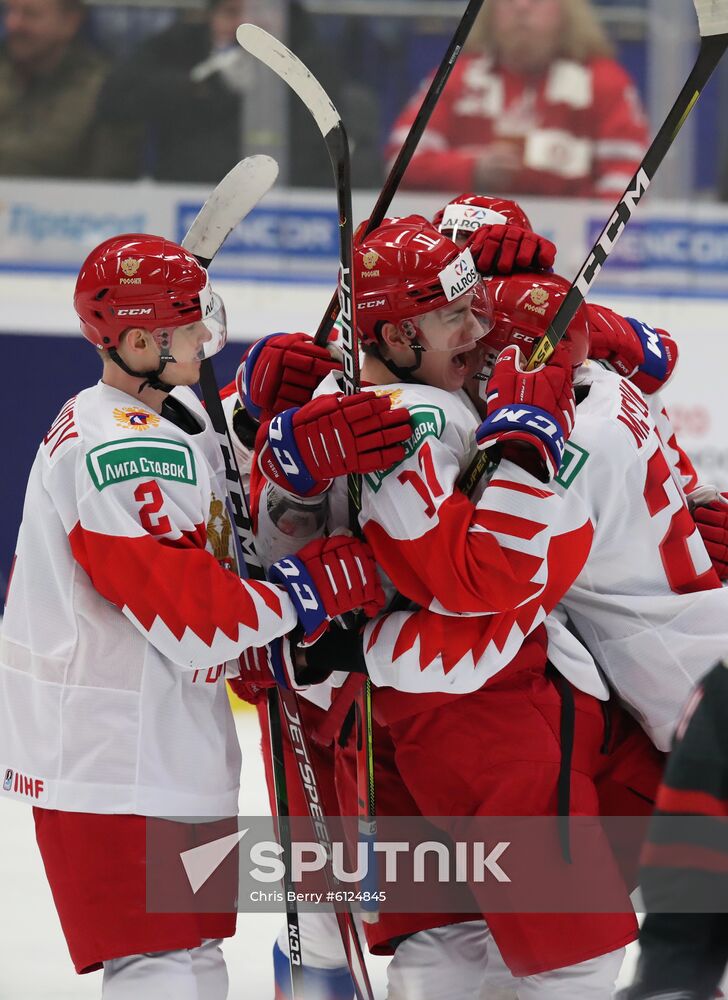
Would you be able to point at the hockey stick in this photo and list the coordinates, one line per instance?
(713, 24)
(291, 70)
(233, 198)
(223, 210)
(409, 146)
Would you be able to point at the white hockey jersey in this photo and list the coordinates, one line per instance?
(122, 611)
(647, 602)
(679, 460)
(491, 571)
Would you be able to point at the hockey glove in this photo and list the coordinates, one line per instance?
(280, 371)
(529, 415)
(645, 356)
(503, 249)
(327, 578)
(339, 649)
(263, 667)
(282, 663)
(712, 523)
(304, 448)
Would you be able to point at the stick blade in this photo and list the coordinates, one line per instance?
(712, 17)
(235, 196)
(291, 70)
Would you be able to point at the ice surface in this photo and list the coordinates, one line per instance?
(34, 963)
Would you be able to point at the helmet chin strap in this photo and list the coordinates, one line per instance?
(151, 378)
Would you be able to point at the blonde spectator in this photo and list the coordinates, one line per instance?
(537, 105)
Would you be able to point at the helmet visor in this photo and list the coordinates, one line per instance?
(459, 326)
(195, 341)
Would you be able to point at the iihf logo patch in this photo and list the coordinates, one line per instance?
(8, 782)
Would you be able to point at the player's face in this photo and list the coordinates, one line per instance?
(449, 337)
(527, 32)
(187, 346)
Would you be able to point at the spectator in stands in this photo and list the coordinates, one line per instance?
(537, 106)
(49, 81)
(180, 108)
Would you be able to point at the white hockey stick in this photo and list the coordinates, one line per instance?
(235, 196)
(224, 209)
(274, 54)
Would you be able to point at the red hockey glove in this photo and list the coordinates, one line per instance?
(712, 523)
(280, 371)
(529, 415)
(503, 249)
(263, 667)
(327, 578)
(304, 448)
(645, 356)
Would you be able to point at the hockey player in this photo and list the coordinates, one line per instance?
(414, 313)
(505, 240)
(500, 236)
(648, 603)
(684, 938)
(122, 612)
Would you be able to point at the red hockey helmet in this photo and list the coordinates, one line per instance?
(145, 281)
(468, 212)
(524, 306)
(404, 269)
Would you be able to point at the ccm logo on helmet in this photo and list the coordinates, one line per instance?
(135, 311)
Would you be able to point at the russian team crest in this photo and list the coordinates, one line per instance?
(134, 418)
(219, 534)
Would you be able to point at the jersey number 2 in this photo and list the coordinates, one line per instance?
(674, 551)
(150, 497)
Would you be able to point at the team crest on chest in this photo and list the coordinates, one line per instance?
(219, 533)
(134, 418)
(395, 396)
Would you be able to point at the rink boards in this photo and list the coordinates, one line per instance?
(277, 274)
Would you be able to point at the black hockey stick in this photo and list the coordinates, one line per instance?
(233, 198)
(274, 54)
(409, 145)
(713, 43)
(713, 23)
(223, 210)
